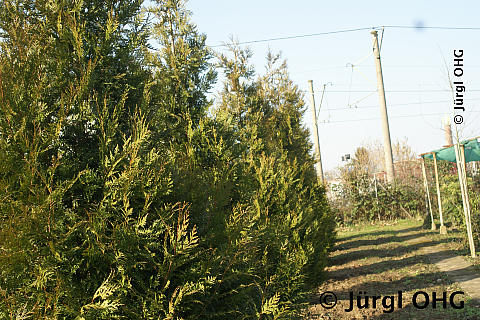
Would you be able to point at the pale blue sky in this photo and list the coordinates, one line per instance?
(414, 71)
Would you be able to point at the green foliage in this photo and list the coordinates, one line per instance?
(475, 208)
(452, 200)
(452, 203)
(121, 197)
(356, 199)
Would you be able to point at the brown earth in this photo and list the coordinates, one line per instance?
(382, 260)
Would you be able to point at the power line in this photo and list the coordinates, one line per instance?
(427, 27)
(394, 91)
(398, 104)
(403, 116)
(397, 84)
(295, 37)
(371, 66)
(346, 31)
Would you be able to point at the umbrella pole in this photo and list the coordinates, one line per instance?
(428, 204)
(443, 229)
(462, 175)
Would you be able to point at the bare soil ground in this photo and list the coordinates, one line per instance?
(384, 259)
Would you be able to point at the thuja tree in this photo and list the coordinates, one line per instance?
(282, 203)
(36, 99)
(122, 198)
(79, 235)
(182, 77)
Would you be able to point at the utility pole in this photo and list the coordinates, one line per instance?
(318, 157)
(448, 130)
(387, 144)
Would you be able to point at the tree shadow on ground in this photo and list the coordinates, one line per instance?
(379, 233)
(345, 258)
(404, 266)
(378, 241)
(427, 282)
(421, 281)
(382, 266)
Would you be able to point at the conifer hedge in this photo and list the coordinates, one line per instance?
(125, 193)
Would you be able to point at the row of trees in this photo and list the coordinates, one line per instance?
(125, 194)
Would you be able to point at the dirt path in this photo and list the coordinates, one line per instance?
(383, 260)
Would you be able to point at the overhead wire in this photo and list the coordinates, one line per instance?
(396, 91)
(400, 104)
(381, 40)
(425, 121)
(371, 66)
(346, 31)
(350, 86)
(359, 100)
(400, 116)
(352, 66)
(296, 36)
(321, 99)
(430, 27)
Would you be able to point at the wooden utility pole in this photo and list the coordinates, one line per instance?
(429, 203)
(387, 144)
(318, 157)
(443, 229)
